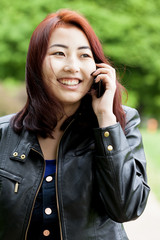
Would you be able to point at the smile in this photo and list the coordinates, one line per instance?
(69, 82)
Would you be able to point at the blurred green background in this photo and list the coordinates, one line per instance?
(130, 35)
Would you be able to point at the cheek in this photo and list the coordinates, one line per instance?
(56, 67)
(47, 69)
(91, 67)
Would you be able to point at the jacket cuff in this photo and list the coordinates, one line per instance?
(110, 140)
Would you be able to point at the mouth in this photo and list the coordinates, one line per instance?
(69, 81)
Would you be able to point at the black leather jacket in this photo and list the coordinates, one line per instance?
(98, 187)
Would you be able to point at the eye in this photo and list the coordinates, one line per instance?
(85, 55)
(59, 54)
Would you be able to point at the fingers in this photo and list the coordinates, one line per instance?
(102, 70)
(107, 74)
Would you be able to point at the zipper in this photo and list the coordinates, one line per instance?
(56, 180)
(16, 179)
(16, 187)
(35, 195)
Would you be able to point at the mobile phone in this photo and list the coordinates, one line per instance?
(99, 88)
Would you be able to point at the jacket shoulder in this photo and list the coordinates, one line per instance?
(5, 127)
(6, 119)
(130, 112)
(128, 109)
(132, 117)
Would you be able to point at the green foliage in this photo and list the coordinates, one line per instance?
(129, 31)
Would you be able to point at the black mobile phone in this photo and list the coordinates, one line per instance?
(99, 88)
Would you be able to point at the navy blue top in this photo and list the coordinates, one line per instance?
(44, 222)
(50, 167)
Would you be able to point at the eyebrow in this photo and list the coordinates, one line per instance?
(64, 46)
(58, 45)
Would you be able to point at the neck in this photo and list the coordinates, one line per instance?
(69, 111)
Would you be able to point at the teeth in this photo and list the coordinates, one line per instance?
(69, 82)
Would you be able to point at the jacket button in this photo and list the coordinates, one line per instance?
(15, 154)
(49, 178)
(106, 134)
(46, 233)
(110, 148)
(48, 211)
(23, 156)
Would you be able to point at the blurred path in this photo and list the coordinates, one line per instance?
(147, 226)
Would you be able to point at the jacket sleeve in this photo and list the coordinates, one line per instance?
(120, 168)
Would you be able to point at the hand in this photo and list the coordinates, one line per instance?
(103, 106)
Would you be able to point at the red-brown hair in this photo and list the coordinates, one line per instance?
(36, 115)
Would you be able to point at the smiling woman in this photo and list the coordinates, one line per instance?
(69, 25)
(72, 164)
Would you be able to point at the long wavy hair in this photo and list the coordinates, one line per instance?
(42, 109)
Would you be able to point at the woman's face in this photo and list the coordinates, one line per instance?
(68, 65)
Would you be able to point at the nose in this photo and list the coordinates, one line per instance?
(71, 66)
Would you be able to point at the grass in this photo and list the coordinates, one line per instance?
(151, 142)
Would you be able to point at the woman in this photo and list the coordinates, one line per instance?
(72, 164)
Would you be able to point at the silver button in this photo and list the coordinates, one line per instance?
(46, 233)
(48, 211)
(49, 178)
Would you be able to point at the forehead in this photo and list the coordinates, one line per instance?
(69, 35)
